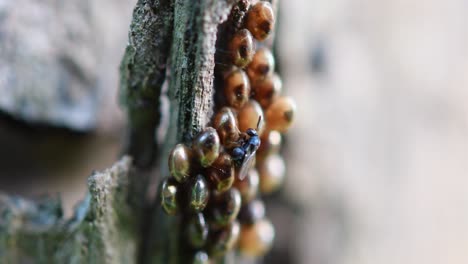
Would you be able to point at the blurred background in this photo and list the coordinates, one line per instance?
(378, 157)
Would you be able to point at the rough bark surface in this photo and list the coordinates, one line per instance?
(102, 229)
(189, 77)
(143, 71)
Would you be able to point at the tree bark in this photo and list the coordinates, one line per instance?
(188, 72)
(143, 72)
(170, 58)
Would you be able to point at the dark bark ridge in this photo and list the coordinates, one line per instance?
(190, 93)
(192, 62)
(143, 71)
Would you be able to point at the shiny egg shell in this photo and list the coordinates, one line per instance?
(225, 239)
(241, 48)
(248, 187)
(199, 193)
(257, 239)
(180, 162)
(281, 113)
(201, 257)
(271, 144)
(262, 65)
(197, 230)
(249, 116)
(236, 88)
(206, 146)
(225, 207)
(252, 212)
(169, 191)
(260, 20)
(267, 89)
(225, 123)
(221, 173)
(271, 171)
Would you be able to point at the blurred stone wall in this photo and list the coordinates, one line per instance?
(59, 112)
(59, 60)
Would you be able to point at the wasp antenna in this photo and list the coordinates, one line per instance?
(259, 120)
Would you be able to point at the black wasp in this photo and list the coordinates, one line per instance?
(244, 154)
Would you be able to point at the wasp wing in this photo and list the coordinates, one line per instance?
(247, 164)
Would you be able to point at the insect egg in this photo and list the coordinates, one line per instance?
(271, 143)
(225, 124)
(267, 89)
(201, 258)
(225, 239)
(199, 194)
(248, 187)
(262, 65)
(206, 146)
(169, 196)
(252, 212)
(179, 162)
(271, 171)
(237, 88)
(280, 114)
(260, 20)
(221, 172)
(249, 115)
(255, 240)
(241, 48)
(197, 230)
(226, 207)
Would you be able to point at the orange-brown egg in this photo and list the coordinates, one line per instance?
(225, 207)
(257, 239)
(281, 113)
(248, 187)
(267, 89)
(252, 212)
(206, 146)
(237, 88)
(221, 173)
(225, 123)
(260, 20)
(262, 65)
(241, 48)
(272, 171)
(225, 239)
(249, 116)
(271, 144)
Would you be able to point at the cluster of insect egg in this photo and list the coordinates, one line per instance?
(215, 183)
